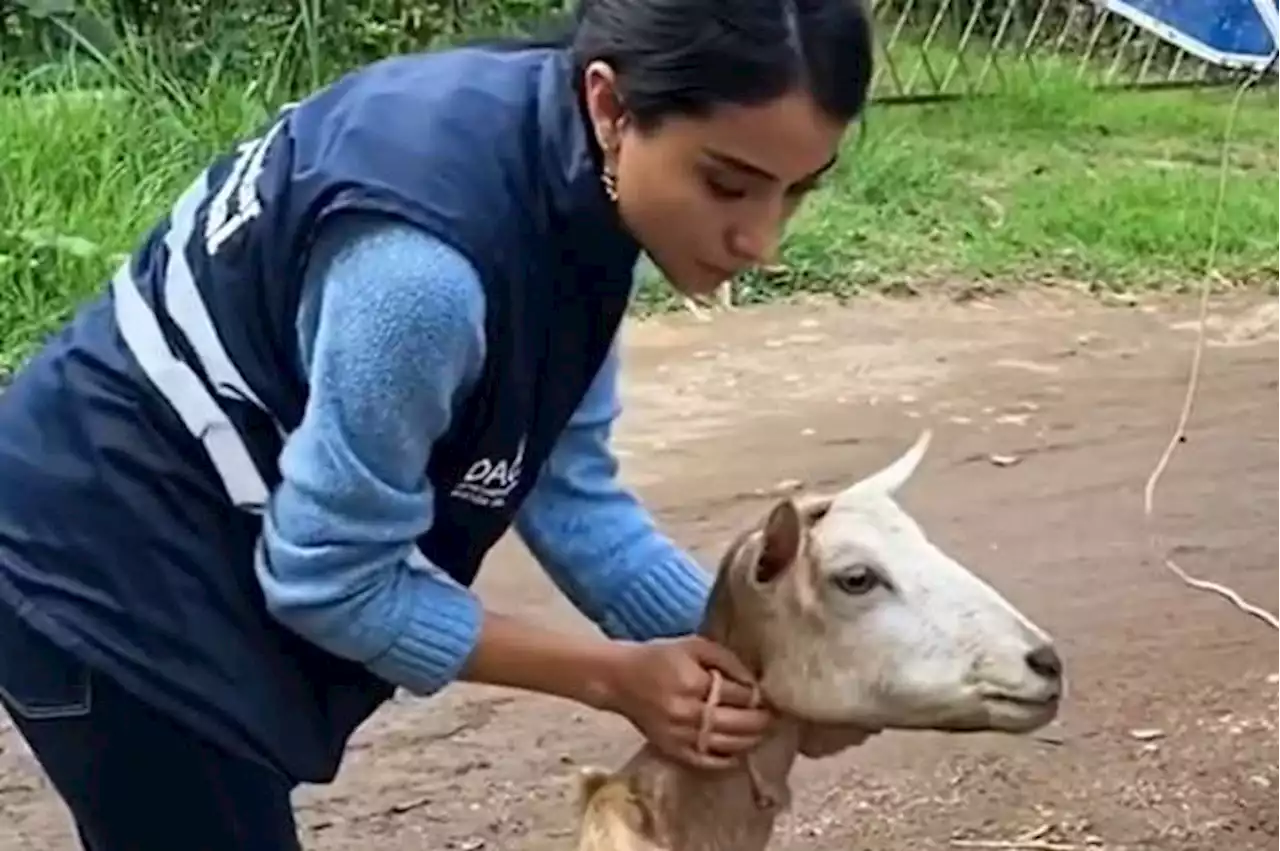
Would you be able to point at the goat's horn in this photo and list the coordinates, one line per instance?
(893, 476)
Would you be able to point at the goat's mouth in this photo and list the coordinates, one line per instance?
(1043, 702)
(1020, 712)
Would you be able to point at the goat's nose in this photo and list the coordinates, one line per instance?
(1045, 661)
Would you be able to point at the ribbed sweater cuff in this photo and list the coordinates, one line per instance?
(439, 634)
(663, 601)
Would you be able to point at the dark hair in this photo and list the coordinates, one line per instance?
(683, 57)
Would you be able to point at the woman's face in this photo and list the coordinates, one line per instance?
(707, 198)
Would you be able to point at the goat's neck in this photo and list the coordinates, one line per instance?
(699, 810)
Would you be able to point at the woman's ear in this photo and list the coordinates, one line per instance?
(604, 106)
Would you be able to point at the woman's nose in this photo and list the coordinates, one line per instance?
(757, 245)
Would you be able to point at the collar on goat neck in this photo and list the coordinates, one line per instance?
(767, 768)
(768, 793)
(692, 810)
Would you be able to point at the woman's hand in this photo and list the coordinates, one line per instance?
(662, 686)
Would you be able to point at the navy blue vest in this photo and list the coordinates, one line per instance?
(139, 445)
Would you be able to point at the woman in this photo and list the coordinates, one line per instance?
(246, 491)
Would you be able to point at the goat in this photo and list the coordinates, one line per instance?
(852, 620)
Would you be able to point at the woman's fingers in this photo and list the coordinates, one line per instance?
(736, 694)
(730, 720)
(730, 731)
(711, 760)
(720, 744)
(709, 654)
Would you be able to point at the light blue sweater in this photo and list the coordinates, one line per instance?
(392, 338)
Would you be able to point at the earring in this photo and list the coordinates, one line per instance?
(610, 181)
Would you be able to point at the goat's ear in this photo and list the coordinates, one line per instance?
(783, 539)
(814, 507)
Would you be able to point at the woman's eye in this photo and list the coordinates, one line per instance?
(856, 580)
(724, 191)
(800, 190)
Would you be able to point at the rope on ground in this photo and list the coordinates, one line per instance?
(1193, 382)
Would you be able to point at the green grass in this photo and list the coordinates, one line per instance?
(1056, 184)
(1113, 192)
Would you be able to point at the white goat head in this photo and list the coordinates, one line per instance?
(852, 616)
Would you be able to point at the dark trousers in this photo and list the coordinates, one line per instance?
(133, 778)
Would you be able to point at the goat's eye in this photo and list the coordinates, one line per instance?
(858, 579)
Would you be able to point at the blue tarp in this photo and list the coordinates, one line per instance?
(1233, 33)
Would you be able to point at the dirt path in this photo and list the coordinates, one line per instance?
(1086, 398)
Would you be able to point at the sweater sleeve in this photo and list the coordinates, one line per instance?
(391, 332)
(596, 540)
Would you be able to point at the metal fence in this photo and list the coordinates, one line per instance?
(934, 50)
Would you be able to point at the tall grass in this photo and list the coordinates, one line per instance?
(1052, 183)
(1042, 183)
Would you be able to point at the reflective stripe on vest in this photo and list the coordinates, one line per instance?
(182, 388)
(177, 382)
(140, 327)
